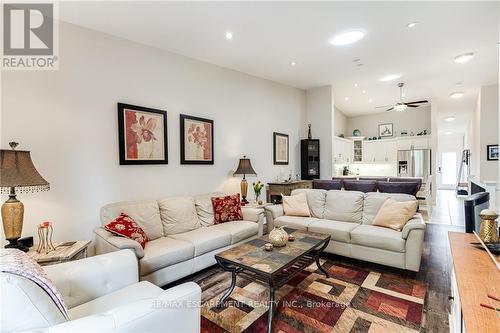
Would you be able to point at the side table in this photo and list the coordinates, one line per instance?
(67, 251)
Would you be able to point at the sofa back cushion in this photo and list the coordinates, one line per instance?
(360, 185)
(345, 206)
(327, 184)
(145, 213)
(374, 200)
(204, 207)
(315, 201)
(178, 215)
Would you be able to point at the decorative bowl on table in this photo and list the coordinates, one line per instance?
(278, 236)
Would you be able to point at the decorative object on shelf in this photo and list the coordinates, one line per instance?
(257, 188)
(385, 130)
(142, 135)
(268, 247)
(18, 175)
(291, 237)
(309, 134)
(356, 132)
(280, 148)
(492, 152)
(489, 229)
(45, 232)
(197, 140)
(424, 132)
(374, 138)
(278, 236)
(404, 133)
(341, 135)
(244, 168)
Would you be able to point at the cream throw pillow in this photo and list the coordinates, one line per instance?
(395, 214)
(296, 205)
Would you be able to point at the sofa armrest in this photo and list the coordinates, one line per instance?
(176, 310)
(252, 214)
(83, 280)
(108, 242)
(416, 223)
(272, 213)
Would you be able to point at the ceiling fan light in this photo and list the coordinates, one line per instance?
(400, 107)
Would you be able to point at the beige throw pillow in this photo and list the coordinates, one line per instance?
(395, 214)
(296, 205)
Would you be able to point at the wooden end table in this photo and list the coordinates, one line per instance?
(275, 268)
(66, 251)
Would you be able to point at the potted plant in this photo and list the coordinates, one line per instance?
(257, 188)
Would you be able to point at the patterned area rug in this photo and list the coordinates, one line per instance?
(351, 300)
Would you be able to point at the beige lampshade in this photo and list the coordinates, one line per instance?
(17, 171)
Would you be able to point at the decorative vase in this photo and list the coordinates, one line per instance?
(257, 198)
(278, 236)
(45, 232)
(489, 229)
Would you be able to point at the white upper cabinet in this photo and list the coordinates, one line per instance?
(342, 150)
(413, 142)
(381, 151)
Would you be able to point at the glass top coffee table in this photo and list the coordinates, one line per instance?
(250, 260)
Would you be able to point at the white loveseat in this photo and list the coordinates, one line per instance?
(182, 236)
(347, 217)
(103, 294)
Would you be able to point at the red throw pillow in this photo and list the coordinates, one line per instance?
(227, 208)
(125, 226)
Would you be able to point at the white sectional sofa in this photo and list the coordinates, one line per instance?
(182, 236)
(103, 294)
(347, 217)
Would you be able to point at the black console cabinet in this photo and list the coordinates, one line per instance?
(309, 160)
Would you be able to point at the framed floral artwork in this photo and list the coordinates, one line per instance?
(280, 148)
(142, 135)
(197, 140)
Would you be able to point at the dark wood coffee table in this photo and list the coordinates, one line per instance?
(250, 260)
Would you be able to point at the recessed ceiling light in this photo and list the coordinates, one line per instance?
(411, 24)
(346, 38)
(229, 35)
(355, 84)
(346, 98)
(293, 63)
(457, 94)
(450, 118)
(389, 77)
(370, 100)
(364, 91)
(463, 58)
(448, 132)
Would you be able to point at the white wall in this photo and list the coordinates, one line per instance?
(488, 131)
(413, 120)
(68, 120)
(319, 106)
(340, 123)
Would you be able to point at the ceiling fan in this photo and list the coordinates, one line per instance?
(402, 106)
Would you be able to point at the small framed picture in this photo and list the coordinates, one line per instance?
(197, 140)
(492, 151)
(280, 148)
(385, 130)
(142, 135)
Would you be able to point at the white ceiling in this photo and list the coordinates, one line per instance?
(268, 36)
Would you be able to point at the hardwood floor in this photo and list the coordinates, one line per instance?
(434, 272)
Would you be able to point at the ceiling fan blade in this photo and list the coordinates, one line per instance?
(390, 109)
(383, 106)
(412, 106)
(417, 102)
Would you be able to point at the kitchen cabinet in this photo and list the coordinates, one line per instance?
(342, 150)
(413, 142)
(379, 151)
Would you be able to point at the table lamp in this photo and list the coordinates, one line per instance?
(17, 174)
(244, 168)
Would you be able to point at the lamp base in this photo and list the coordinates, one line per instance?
(15, 244)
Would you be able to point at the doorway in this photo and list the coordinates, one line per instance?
(448, 170)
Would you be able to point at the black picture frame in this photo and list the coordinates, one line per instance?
(275, 157)
(391, 125)
(182, 122)
(122, 107)
(490, 154)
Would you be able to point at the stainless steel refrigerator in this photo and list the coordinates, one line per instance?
(414, 163)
